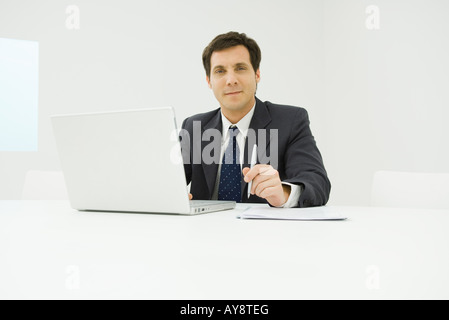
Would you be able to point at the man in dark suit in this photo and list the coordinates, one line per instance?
(289, 170)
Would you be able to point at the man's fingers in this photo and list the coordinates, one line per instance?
(190, 196)
(259, 179)
(266, 184)
(269, 192)
(262, 188)
(262, 169)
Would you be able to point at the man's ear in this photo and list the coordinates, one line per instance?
(208, 82)
(257, 75)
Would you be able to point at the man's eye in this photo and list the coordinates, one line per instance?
(219, 71)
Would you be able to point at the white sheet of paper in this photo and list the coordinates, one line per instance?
(306, 214)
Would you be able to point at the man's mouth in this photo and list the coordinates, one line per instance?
(233, 93)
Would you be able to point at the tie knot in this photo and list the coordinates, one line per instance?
(233, 129)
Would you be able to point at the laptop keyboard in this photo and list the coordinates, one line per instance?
(201, 203)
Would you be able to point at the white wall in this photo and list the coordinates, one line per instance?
(375, 98)
(386, 90)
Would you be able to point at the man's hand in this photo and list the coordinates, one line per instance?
(267, 184)
(190, 196)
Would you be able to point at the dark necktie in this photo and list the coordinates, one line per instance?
(230, 187)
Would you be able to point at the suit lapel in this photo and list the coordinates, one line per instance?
(210, 170)
(261, 119)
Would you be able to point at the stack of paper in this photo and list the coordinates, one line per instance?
(308, 214)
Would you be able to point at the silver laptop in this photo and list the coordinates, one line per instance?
(126, 161)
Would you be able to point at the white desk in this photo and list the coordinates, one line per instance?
(49, 251)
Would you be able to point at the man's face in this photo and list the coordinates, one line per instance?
(233, 79)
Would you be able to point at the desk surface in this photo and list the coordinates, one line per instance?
(50, 251)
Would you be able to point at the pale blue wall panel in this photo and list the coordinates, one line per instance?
(19, 82)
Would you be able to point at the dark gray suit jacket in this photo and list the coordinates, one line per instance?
(298, 159)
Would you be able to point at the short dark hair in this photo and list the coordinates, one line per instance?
(229, 40)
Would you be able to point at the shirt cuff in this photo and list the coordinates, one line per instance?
(293, 199)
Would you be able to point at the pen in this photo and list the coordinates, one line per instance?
(252, 164)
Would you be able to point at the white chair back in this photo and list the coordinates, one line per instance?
(410, 190)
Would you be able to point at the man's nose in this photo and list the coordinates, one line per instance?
(232, 79)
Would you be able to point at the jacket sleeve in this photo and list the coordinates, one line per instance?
(304, 163)
(186, 147)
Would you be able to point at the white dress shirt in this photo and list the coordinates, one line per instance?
(243, 126)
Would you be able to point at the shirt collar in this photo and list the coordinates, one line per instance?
(242, 125)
